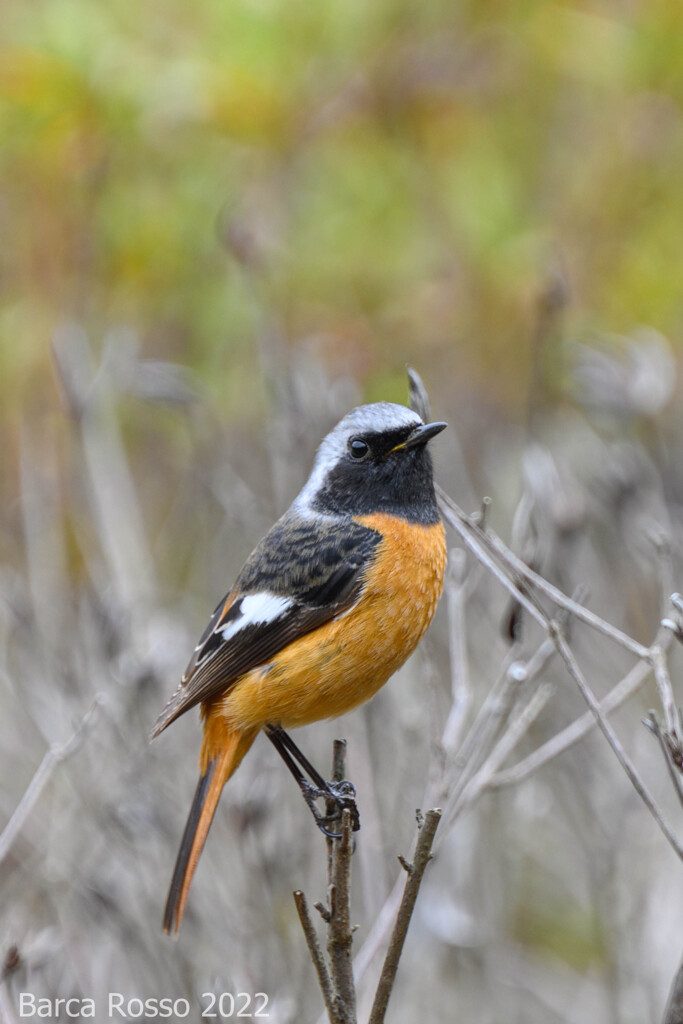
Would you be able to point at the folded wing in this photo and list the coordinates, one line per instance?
(300, 576)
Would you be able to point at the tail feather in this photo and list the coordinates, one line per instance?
(215, 774)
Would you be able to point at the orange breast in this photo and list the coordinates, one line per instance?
(343, 663)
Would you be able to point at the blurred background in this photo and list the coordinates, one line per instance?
(223, 224)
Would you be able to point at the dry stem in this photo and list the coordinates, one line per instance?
(423, 853)
(317, 957)
(335, 974)
(54, 756)
(673, 1013)
(491, 551)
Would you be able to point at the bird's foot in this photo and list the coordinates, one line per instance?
(340, 797)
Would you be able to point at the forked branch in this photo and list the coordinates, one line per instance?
(335, 972)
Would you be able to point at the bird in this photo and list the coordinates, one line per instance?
(330, 603)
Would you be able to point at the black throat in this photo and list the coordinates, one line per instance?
(401, 484)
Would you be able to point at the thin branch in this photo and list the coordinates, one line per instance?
(317, 957)
(439, 788)
(113, 496)
(489, 724)
(6, 1015)
(478, 540)
(54, 756)
(339, 853)
(461, 694)
(653, 725)
(418, 398)
(485, 727)
(666, 693)
(514, 576)
(575, 732)
(491, 708)
(488, 716)
(412, 887)
(379, 930)
(673, 1014)
(518, 728)
(336, 980)
(611, 737)
(568, 603)
(11, 962)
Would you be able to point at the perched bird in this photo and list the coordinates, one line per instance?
(328, 605)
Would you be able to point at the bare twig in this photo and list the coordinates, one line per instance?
(518, 727)
(339, 887)
(666, 694)
(336, 980)
(115, 503)
(467, 784)
(575, 732)
(653, 725)
(486, 722)
(673, 1014)
(563, 601)
(481, 734)
(317, 957)
(488, 548)
(11, 962)
(6, 1015)
(487, 544)
(412, 886)
(418, 398)
(54, 756)
(611, 737)
(477, 541)
(379, 931)
(460, 684)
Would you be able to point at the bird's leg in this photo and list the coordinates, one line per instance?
(340, 793)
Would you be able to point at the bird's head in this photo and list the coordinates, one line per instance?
(375, 460)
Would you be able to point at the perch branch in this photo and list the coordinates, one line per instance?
(340, 936)
(335, 976)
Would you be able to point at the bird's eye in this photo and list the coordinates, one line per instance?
(358, 447)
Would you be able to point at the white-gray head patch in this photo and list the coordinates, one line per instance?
(374, 418)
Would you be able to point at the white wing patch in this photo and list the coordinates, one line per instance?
(256, 609)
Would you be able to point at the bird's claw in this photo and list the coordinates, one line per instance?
(339, 794)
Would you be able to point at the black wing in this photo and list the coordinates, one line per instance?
(302, 574)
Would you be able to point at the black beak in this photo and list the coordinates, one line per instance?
(421, 435)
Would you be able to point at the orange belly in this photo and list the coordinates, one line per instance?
(343, 663)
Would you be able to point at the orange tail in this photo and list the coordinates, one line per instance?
(215, 774)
